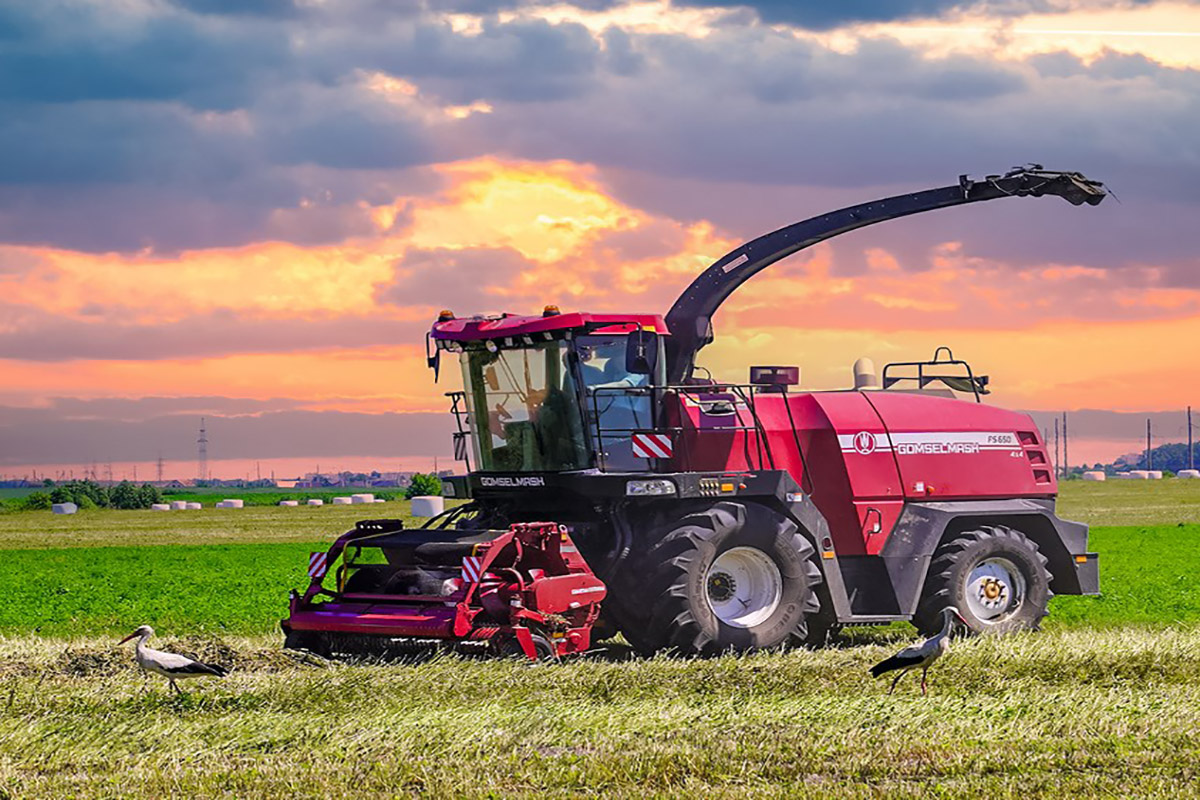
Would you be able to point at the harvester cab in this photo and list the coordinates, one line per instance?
(724, 516)
(555, 393)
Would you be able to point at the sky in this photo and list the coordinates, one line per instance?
(252, 210)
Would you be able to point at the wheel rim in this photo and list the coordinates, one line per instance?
(743, 587)
(995, 590)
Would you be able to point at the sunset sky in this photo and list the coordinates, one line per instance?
(251, 210)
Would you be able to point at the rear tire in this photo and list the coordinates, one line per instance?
(732, 577)
(995, 576)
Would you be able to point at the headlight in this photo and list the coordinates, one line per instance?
(648, 488)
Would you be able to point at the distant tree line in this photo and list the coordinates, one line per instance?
(1170, 458)
(88, 494)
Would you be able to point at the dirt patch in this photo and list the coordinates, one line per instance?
(214, 650)
(89, 661)
(86, 660)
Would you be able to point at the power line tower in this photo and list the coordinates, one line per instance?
(1191, 449)
(202, 454)
(1149, 451)
(159, 465)
(1058, 470)
(1066, 459)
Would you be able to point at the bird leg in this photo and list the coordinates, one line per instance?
(924, 672)
(899, 675)
(174, 686)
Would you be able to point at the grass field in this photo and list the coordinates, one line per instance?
(1105, 702)
(1166, 502)
(257, 524)
(1074, 714)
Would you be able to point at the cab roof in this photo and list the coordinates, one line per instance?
(508, 325)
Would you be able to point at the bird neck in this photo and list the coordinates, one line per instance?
(141, 642)
(946, 626)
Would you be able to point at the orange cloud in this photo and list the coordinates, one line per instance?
(1166, 32)
(375, 378)
(585, 249)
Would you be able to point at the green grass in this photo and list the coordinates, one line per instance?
(238, 588)
(1147, 577)
(1072, 714)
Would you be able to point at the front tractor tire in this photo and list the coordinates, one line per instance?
(995, 576)
(731, 577)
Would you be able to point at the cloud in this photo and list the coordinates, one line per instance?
(32, 336)
(218, 122)
(521, 61)
(827, 16)
(316, 178)
(469, 279)
(59, 434)
(133, 409)
(264, 8)
(79, 52)
(173, 127)
(19, 260)
(824, 16)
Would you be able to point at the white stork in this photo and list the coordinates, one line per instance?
(171, 666)
(920, 655)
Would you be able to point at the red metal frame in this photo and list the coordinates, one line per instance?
(530, 579)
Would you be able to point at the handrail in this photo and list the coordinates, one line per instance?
(977, 383)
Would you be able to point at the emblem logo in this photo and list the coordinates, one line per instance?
(864, 443)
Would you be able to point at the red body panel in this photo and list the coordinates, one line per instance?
(417, 621)
(868, 452)
(972, 450)
(565, 592)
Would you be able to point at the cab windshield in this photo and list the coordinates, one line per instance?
(524, 409)
(618, 401)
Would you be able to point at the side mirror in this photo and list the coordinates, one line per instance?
(433, 356)
(641, 352)
(489, 376)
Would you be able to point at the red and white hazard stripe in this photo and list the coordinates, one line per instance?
(471, 569)
(317, 565)
(652, 445)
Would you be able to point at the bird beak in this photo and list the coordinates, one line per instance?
(962, 619)
(127, 638)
